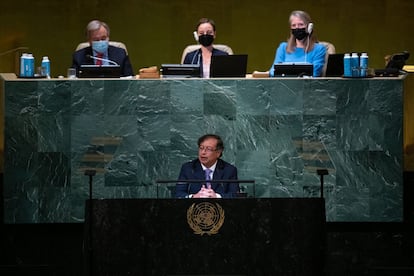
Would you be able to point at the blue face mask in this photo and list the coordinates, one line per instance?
(100, 46)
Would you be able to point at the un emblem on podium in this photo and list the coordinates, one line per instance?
(205, 218)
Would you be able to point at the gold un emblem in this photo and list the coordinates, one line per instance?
(205, 218)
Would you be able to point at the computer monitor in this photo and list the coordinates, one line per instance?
(335, 65)
(228, 66)
(99, 71)
(180, 70)
(293, 69)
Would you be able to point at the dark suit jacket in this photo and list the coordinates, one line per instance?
(193, 170)
(114, 53)
(195, 57)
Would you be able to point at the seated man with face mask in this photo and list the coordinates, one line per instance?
(100, 52)
(206, 32)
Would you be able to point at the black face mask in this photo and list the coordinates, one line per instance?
(206, 39)
(299, 34)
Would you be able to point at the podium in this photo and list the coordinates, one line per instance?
(274, 236)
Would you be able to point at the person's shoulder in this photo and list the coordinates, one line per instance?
(218, 52)
(191, 163)
(80, 54)
(283, 44)
(320, 47)
(225, 164)
(82, 51)
(193, 52)
(115, 49)
(190, 55)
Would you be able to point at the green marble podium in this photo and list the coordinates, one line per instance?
(133, 132)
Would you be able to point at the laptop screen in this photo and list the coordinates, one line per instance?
(97, 71)
(180, 70)
(335, 65)
(293, 69)
(228, 66)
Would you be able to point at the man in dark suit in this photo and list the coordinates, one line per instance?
(100, 52)
(208, 166)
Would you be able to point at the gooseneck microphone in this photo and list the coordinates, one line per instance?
(103, 59)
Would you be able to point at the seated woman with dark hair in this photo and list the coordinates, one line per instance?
(206, 33)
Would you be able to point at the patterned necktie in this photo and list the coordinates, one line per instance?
(99, 61)
(207, 172)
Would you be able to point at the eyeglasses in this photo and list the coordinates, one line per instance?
(207, 149)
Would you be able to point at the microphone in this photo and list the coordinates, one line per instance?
(103, 59)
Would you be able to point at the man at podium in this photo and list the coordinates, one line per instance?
(207, 167)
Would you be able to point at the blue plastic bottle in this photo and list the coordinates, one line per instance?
(363, 64)
(29, 66)
(23, 62)
(347, 65)
(355, 65)
(46, 65)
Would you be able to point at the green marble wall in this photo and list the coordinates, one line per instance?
(156, 32)
(276, 131)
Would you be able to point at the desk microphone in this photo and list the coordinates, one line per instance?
(103, 59)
